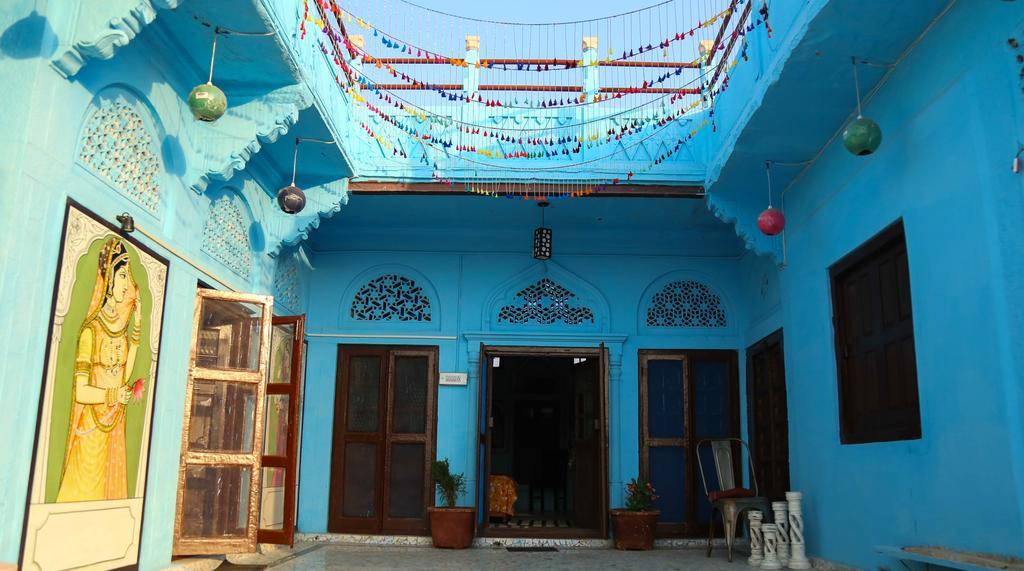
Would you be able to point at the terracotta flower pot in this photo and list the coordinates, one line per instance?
(452, 528)
(634, 530)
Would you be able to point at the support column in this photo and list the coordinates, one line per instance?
(359, 42)
(756, 545)
(590, 89)
(771, 539)
(471, 82)
(782, 525)
(590, 60)
(798, 556)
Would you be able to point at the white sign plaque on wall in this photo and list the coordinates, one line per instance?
(453, 379)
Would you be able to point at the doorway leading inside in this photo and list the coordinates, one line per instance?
(545, 444)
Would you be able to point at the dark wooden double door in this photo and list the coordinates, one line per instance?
(384, 439)
(685, 396)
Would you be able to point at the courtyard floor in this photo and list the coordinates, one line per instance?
(327, 556)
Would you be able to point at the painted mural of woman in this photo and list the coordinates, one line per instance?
(95, 462)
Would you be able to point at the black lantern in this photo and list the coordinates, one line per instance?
(542, 237)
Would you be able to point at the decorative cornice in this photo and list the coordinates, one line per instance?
(117, 32)
(227, 145)
(324, 202)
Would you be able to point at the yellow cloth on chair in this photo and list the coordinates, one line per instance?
(503, 493)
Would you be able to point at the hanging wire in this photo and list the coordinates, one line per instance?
(856, 84)
(213, 54)
(295, 156)
(506, 23)
(218, 30)
(768, 169)
(295, 160)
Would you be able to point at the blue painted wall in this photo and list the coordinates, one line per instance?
(951, 115)
(468, 266)
(39, 172)
(951, 112)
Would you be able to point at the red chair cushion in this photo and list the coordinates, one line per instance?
(732, 493)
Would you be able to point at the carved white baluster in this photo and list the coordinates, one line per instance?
(797, 549)
(771, 540)
(756, 549)
(782, 530)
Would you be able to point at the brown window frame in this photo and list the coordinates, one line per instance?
(886, 245)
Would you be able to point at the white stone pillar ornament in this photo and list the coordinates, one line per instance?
(756, 548)
(771, 541)
(797, 548)
(782, 530)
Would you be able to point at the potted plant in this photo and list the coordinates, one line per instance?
(633, 526)
(450, 526)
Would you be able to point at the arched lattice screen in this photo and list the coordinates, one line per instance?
(686, 303)
(545, 303)
(391, 297)
(286, 284)
(226, 235)
(117, 147)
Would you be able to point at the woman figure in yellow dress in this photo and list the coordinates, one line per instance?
(95, 461)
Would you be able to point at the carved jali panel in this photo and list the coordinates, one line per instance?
(686, 303)
(117, 147)
(545, 303)
(226, 235)
(391, 298)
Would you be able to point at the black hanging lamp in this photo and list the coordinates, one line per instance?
(862, 136)
(291, 199)
(542, 236)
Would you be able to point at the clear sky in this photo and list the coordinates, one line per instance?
(532, 11)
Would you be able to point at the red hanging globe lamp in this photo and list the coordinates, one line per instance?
(771, 221)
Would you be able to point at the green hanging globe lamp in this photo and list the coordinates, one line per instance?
(207, 102)
(862, 136)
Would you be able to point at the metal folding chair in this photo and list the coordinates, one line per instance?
(729, 500)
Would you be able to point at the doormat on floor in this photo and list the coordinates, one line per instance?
(228, 565)
(527, 521)
(538, 549)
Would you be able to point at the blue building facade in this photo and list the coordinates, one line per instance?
(98, 114)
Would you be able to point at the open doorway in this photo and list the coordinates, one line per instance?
(545, 445)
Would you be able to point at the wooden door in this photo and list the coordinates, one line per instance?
(586, 456)
(385, 418)
(280, 441)
(222, 437)
(483, 423)
(768, 421)
(685, 396)
(664, 437)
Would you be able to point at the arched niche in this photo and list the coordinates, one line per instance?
(227, 230)
(684, 301)
(546, 297)
(120, 143)
(390, 296)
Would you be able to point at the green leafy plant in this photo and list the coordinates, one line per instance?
(640, 495)
(451, 486)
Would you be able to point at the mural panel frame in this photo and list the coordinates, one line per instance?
(110, 333)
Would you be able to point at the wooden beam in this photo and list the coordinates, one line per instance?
(485, 63)
(608, 191)
(721, 31)
(530, 88)
(722, 63)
